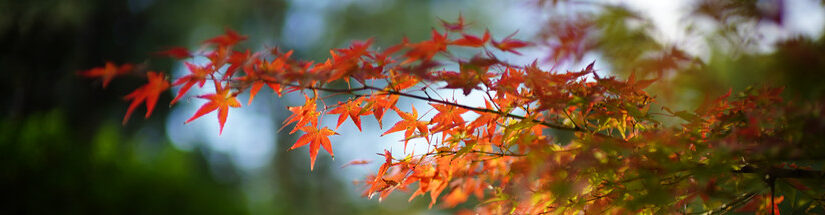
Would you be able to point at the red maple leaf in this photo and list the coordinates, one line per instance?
(383, 58)
(314, 137)
(471, 75)
(107, 72)
(175, 52)
(636, 85)
(148, 92)
(229, 38)
(238, 59)
(465, 81)
(198, 75)
(221, 100)
(508, 44)
(457, 26)
(471, 40)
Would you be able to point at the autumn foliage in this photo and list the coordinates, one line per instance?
(628, 154)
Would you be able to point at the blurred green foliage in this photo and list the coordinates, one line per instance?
(46, 169)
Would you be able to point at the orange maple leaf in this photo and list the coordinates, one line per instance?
(356, 162)
(107, 72)
(265, 74)
(409, 123)
(221, 100)
(425, 50)
(345, 61)
(260, 84)
(352, 109)
(447, 116)
(380, 104)
(455, 197)
(485, 118)
(761, 204)
(303, 115)
(378, 183)
(315, 137)
(148, 92)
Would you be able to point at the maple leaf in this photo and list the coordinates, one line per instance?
(148, 92)
(409, 124)
(463, 80)
(236, 60)
(256, 86)
(762, 205)
(508, 44)
(219, 56)
(221, 100)
(455, 197)
(356, 162)
(315, 138)
(471, 40)
(383, 58)
(107, 72)
(637, 84)
(380, 104)
(176, 52)
(344, 62)
(387, 164)
(485, 118)
(378, 184)
(352, 109)
(197, 76)
(265, 74)
(229, 38)
(427, 49)
(471, 74)
(448, 116)
(303, 115)
(457, 26)
(340, 67)
(510, 81)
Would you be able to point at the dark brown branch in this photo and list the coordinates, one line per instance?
(479, 152)
(776, 173)
(509, 115)
(736, 203)
(428, 99)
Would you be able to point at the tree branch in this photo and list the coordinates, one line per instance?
(782, 172)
